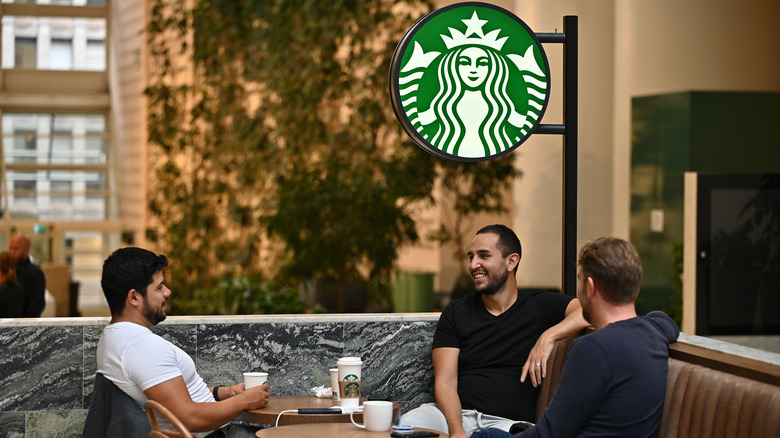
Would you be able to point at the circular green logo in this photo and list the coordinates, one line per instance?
(469, 82)
(352, 390)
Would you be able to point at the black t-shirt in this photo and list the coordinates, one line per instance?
(493, 349)
(33, 282)
(11, 300)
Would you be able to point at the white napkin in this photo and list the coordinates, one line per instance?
(322, 391)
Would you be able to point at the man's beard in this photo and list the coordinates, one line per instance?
(585, 310)
(496, 283)
(154, 316)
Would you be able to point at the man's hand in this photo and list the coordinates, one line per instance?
(459, 434)
(536, 365)
(257, 396)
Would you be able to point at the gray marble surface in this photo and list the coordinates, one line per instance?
(47, 371)
(48, 366)
(12, 424)
(41, 368)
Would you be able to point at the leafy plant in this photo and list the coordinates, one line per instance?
(273, 144)
(276, 114)
(244, 295)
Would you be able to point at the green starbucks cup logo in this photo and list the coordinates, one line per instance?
(469, 82)
(351, 386)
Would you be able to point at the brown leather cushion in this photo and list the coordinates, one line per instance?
(702, 402)
(554, 368)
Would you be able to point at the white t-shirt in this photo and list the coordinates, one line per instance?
(136, 359)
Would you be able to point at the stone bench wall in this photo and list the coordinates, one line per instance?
(48, 365)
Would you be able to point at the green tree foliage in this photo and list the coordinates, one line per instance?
(272, 118)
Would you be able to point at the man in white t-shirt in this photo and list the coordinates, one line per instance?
(148, 367)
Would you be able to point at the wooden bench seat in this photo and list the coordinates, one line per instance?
(708, 394)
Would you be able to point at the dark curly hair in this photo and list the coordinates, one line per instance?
(128, 269)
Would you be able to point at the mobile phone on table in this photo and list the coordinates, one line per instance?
(417, 434)
(310, 411)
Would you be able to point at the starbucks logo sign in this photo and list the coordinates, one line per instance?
(469, 82)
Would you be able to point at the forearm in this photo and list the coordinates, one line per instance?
(536, 364)
(572, 323)
(225, 392)
(448, 402)
(200, 417)
(209, 416)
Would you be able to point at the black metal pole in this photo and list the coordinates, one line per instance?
(568, 130)
(570, 105)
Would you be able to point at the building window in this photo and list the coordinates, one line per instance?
(54, 43)
(61, 2)
(56, 166)
(61, 55)
(24, 53)
(56, 174)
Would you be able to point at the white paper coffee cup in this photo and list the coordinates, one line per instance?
(349, 381)
(255, 379)
(334, 382)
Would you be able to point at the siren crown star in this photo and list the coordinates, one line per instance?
(474, 26)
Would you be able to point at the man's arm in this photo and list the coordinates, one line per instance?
(225, 392)
(37, 285)
(582, 388)
(445, 371)
(572, 324)
(202, 417)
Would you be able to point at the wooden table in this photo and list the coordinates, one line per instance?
(276, 405)
(340, 430)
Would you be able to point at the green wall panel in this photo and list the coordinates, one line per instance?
(689, 131)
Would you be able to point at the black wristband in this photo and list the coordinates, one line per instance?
(215, 391)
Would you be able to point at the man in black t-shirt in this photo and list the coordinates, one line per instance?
(487, 344)
(613, 382)
(29, 276)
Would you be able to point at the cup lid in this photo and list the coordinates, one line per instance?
(350, 361)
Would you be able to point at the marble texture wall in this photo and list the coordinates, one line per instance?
(47, 366)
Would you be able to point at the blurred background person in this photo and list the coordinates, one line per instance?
(29, 276)
(11, 294)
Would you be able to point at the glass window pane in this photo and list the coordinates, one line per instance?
(54, 43)
(61, 2)
(96, 55)
(55, 138)
(24, 53)
(57, 193)
(61, 55)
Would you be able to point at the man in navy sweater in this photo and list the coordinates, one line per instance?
(613, 381)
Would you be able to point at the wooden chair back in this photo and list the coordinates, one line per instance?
(153, 407)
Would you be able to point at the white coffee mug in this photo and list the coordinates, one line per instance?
(377, 415)
(255, 379)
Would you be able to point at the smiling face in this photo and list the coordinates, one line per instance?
(473, 65)
(156, 300)
(488, 268)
